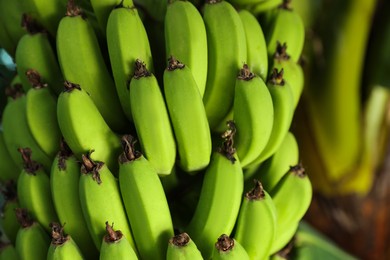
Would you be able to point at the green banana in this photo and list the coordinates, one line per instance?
(264, 6)
(84, 128)
(227, 52)
(227, 248)
(116, 246)
(220, 197)
(188, 116)
(284, 239)
(186, 39)
(256, 224)
(62, 246)
(243, 3)
(81, 62)
(8, 251)
(32, 241)
(123, 27)
(181, 247)
(145, 202)
(34, 192)
(9, 170)
(8, 222)
(156, 9)
(64, 184)
(257, 56)
(101, 200)
(151, 120)
(253, 115)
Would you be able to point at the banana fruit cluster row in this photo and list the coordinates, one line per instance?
(129, 134)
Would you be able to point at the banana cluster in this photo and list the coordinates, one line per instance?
(151, 130)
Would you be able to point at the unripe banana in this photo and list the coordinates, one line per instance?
(256, 223)
(9, 170)
(264, 7)
(241, 3)
(32, 241)
(283, 239)
(181, 247)
(8, 251)
(8, 222)
(127, 41)
(257, 56)
(62, 246)
(101, 201)
(220, 197)
(116, 246)
(253, 115)
(34, 192)
(186, 39)
(84, 128)
(145, 202)
(188, 116)
(82, 62)
(227, 52)
(227, 248)
(156, 9)
(151, 120)
(64, 184)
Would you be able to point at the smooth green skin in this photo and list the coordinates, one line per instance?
(146, 207)
(151, 120)
(41, 115)
(238, 252)
(81, 62)
(123, 26)
(84, 128)
(264, 6)
(32, 242)
(8, 222)
(101, 203)
(187, 252)
(188, 119)
(34, 194)
(186, 39)
(120, 249)
(246, 2)
(256, 226)
(67, 251)
(226, 54)
(17, 134)
(257, 56)
(253, 114)
(286, 27)
(155, 8)
(64, 184)
(9, 170)
(9, 253)
(281, 239)
(35, 52)
(218, 204)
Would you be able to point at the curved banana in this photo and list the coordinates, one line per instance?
(101, 201)
(156, 9)
(256, 224)
(62, 246)
(123, 27)
(227, 248)
(9, 170)
(8, 222)
(264, 6)
(253, 115)
(188, 116)
(243, 3)
(151, 120)
(116, 246)
(64, 184)
(82, 62)
(8, 251)
(283, 239)
(227, 52)
(34, 192)
(145, 202)
(186, 39)
(257, 55)
(181, 247)
(220, 197)
(84, 128)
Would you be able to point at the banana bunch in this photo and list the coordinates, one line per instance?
(153, 130)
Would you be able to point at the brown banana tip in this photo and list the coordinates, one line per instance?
(112, 235)
(140, 69)
(224, 243)
(174, 64)
(257, 192)
(58, 237)
(245, 73)
(180, 240)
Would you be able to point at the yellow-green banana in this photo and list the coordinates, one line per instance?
(34, 192)
(243, 3)
(156, 9)
(127, 41)
(9, 170)
(181, 247)
(101, 201)
(62, 246)
(116, 246)
(188, 116)
(64, 184)
(8, 251)
(145, 202)
(264, 6)
(253, 115)
(227, 248)
(84, 128)
(82, 62)
(256, 224)
(220, 197)
(8, 222)
(282, 240)
(186, 39)
(227, 52)
(151, 120)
